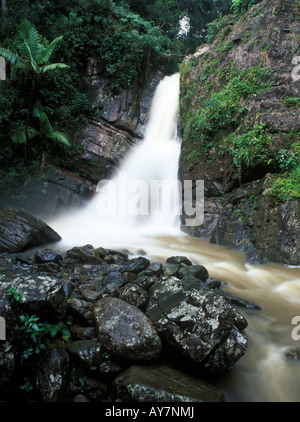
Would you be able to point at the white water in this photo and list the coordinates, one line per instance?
(263, 374)
(154, 159)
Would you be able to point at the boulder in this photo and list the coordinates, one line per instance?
(81, 310)
(178, 260)
(20, 230)
(199, 324)
(87, 353)
(52, 374)
(84, 254)
(41, 294)
(161, 383)
(126, 331)
(197, 271)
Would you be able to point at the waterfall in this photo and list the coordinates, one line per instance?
(143, 197)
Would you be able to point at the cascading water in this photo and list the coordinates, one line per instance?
(131, 205)
(263, 374)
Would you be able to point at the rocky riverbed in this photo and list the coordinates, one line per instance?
(124, 328)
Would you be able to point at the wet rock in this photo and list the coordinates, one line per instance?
(160, 383)
(113, 281)
(110, 367)
(197, 271)
(41, 294)
(197, 323)
(135, 295)
(20, 230)
(137, 265)
(179, 260)
(171, 269)
(154, 269)
(88, 293)
(126, 331)
(213, 283)
(145, 281)
(191, 282)
(49, 268)
(87, 353)
(47, 255)
(85, 255)
(84, 333)
(82, 310)
(52, 375)
(94, 389)
(238, 301)
(292, 354)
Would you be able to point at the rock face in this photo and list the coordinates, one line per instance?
(240, 138)
(106, 140)
(20, 230)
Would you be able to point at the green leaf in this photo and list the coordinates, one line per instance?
(49, 50)
(53, 66)
(19, 135)
(11, 57)
(60, 137)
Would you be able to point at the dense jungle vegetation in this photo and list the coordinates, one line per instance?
(46, 45)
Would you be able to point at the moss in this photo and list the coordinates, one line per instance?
(251, 147)
(292, 102)
(286, 186)
(220, 106)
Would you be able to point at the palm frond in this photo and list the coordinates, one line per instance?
(11, 57)
(53, 66)
(30, 37)
(31, 58)
(19, 134)
(37, 109)
(49, 50)
(45, 125)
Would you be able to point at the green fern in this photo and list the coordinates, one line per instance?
(241, 6)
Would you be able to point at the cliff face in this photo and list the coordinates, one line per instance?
(240, 123)
(105, 140)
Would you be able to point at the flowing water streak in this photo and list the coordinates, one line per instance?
(263, 374)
